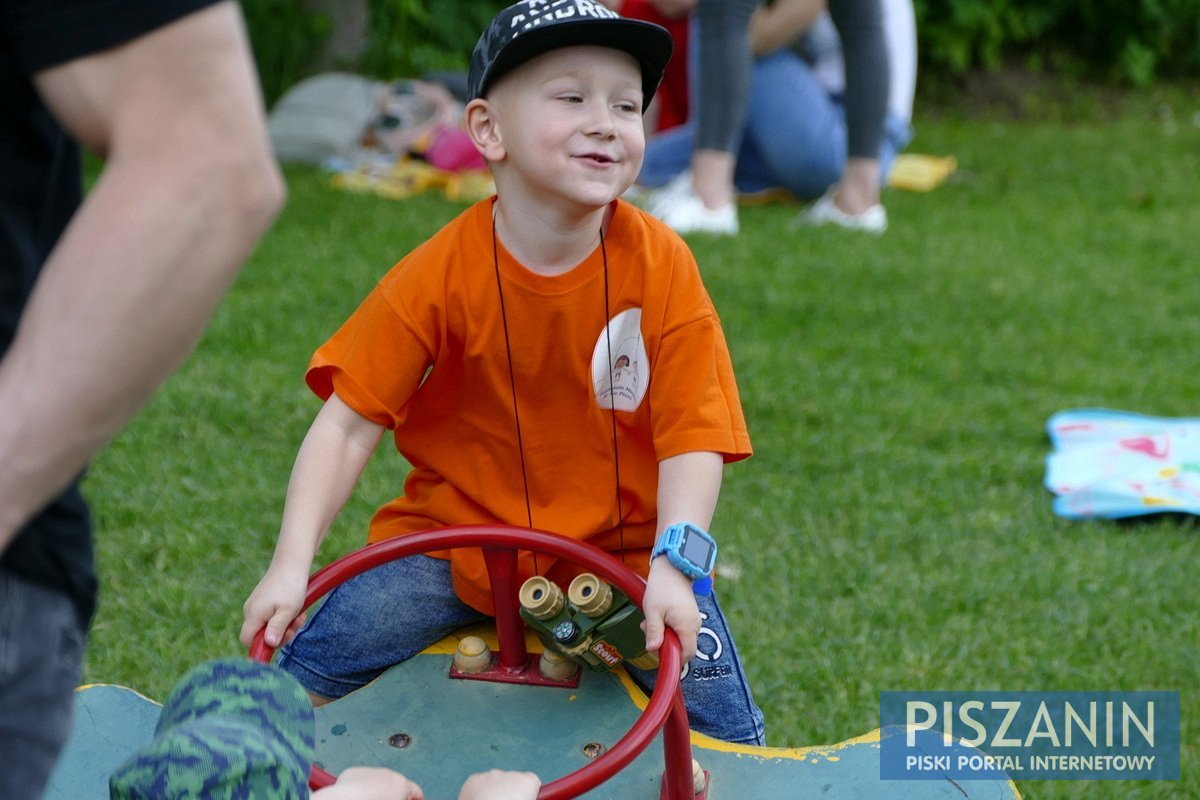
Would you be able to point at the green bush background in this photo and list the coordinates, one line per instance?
(1124, 42)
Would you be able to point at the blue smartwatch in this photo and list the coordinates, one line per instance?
(691, 550)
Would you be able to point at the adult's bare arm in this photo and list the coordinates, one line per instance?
(189, 186)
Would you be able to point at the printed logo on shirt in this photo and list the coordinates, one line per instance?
(622, 382)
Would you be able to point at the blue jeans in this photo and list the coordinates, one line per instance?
(393, 612)
(795, 136)
(41, 656)
(718, 698)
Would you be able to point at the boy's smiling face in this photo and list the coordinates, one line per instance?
(569, 126)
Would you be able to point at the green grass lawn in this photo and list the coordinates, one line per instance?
(891, 531)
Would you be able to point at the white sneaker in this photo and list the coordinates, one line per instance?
(677, 205)
(824, 212)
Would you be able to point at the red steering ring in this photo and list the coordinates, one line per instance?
(665, 711)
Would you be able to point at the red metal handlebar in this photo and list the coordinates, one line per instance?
(665, 710)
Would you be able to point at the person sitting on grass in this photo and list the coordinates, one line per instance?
(549, 359)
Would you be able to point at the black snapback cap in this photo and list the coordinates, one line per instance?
(527, 29)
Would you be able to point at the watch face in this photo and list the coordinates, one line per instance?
(698, 550)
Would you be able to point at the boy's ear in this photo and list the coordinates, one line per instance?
(479, 118)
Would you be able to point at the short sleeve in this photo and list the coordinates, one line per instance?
(374, 362)
(693, 392)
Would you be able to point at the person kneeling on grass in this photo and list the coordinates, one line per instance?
(235, 728)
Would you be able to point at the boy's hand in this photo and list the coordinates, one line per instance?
(275, 604)
(669, 601)
(370, 783)
(497, 784)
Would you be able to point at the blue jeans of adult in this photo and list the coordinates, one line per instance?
(391, 613)
(41, 657)
(795, 135)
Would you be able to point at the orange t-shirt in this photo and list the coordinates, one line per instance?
(425, 355)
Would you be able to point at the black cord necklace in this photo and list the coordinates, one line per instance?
(512, 382)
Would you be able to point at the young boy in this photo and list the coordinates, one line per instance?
(548, 359)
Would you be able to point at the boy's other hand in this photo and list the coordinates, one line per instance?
(669, 602)
(498, 784)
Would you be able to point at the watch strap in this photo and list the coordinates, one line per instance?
(668, 545)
